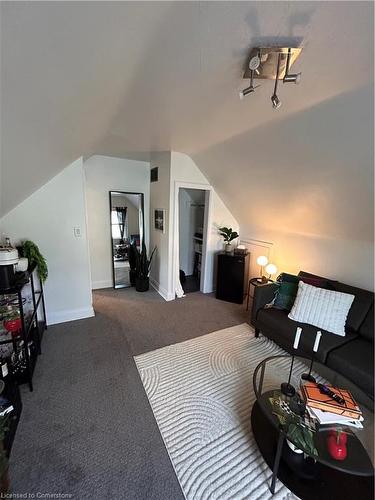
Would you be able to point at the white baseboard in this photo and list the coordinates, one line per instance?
(161, 291)
(54, 318)
(102, 284)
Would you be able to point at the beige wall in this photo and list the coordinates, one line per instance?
(160, 274)
(104, 174)
(305, 183)
(48, 217)
(175, 168)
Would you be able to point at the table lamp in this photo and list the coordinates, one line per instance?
(262, 261)
(271, 269)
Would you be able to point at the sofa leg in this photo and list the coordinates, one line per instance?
(257, 332)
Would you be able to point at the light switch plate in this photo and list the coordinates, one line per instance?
(77, 232)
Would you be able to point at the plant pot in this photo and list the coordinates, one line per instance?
(293, 447)
(228, 248)
(142, 284)
(132, 276)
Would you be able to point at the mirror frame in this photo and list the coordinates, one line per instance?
(116, 287)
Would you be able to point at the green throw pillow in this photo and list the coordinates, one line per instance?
(285, 295)
(288, 287)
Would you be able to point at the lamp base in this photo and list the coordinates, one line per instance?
(287, 389)
(308, 377)
(262, 279)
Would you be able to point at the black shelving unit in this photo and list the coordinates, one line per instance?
(27, 296)
(12, 393)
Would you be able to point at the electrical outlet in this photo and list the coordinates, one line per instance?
(77, 232)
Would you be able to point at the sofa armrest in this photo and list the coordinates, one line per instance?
(263, 294)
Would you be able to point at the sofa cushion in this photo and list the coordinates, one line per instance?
(285, 295)
(355, 360)
(360, 307)
(277, 326)
(288, 287)
(361, 304)
(367, 327)
(325, 309)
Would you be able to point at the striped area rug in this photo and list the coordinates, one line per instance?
(201, 393)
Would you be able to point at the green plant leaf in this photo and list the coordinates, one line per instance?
(31, 251)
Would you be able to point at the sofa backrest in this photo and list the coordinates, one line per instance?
(367, 328)
(362, 307)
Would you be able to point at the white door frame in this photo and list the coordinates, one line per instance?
(204, 286)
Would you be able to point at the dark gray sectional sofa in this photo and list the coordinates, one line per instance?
(352, 355)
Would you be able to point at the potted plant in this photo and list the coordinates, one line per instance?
(229, 235)
(133, 262)
(142, 282)
(31, 251)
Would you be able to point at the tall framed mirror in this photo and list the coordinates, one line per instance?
(127, 225)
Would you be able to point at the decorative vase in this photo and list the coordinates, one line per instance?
(132, 276)
(336, 444)
(142, 284)
(228, 247)
(12, 325)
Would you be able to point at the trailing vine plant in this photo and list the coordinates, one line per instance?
(31, 251)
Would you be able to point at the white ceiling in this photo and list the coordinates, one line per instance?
(127, 78)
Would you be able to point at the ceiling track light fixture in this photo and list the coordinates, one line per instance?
(250, 89)
(271, 63)
(276, 103)
(288, 77)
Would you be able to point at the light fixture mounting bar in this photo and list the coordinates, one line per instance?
(269, 58)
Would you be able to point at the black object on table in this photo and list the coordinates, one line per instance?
(232, 273)
(255, 282)
(317, 476)
(33, 322)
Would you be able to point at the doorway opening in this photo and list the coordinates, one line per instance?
(192, 207)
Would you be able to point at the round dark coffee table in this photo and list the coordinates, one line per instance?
(311, 474)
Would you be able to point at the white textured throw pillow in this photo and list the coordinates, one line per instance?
(325, 309)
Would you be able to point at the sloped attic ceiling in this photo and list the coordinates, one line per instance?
(127, 78)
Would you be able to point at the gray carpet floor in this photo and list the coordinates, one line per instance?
(87, 430)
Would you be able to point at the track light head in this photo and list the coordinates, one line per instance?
(276, 103)
(292, 78)
(250, 89)
(247, 91)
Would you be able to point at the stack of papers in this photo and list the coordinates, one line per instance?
(326, 417)
(327, 410)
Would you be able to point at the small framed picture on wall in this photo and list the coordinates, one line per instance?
(159, 219)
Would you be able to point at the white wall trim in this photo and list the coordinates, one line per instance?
(54, 318)
(205, 285)
(96, 285)
(259, 243)
(206, 230)
(161, 291)
(256, 248)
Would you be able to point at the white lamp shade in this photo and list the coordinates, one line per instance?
(262, 260)
(271, 269)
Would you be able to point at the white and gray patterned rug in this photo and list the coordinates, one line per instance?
(201, 393)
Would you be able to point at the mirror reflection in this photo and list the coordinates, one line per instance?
(126, 227)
